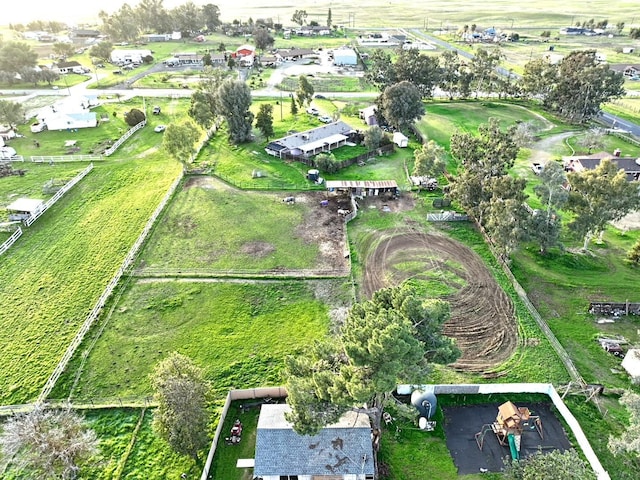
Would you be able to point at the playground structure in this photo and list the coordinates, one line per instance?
(510, 424)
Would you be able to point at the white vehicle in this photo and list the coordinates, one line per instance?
(313, 111)
(160, 129)
(325, 119)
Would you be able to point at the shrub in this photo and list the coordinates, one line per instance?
(134, 117)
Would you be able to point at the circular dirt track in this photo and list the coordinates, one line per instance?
(482, 315)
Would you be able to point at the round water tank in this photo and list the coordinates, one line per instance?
(425, 403)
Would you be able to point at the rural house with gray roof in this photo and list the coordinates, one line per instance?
(342, 451)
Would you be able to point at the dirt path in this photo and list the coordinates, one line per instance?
(541, 150)
(482, 315)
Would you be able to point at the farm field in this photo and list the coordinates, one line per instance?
(200, 233)
(56, 271)
(439, 13)
(238, 331)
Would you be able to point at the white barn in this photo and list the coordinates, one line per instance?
(345, 56)
(129, 56)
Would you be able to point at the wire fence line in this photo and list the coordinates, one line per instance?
(204, 273)
(82, 404)
(95, 312)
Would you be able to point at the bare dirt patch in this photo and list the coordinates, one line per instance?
(322, 225)
(482, 315)
(257, 249)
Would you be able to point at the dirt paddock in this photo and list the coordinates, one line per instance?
(482, 315)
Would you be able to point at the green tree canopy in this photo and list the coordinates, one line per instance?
(102, 51)
(373, 137)
(11, 113)
(600, 196)
(262, 38)
(234, 100)
(429, 160)
(180, 139)
(387, 339)
(204, 108)
(16, 56)
(299, 17)
(264, 120)
(134, 117)
(305, 91)
(181, 417)
(576, 87)
(555, 465)
(402, 104)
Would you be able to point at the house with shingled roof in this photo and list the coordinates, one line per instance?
(342, 451)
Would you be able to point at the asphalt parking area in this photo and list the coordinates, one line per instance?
(462, 423)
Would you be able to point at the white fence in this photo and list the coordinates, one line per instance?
(124, 137)
(10, 241)
(15, 158)
(253, 393)
(49, 203)
(95, 312)
(544, 388)
(65, 158)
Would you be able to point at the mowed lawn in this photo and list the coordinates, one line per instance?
(51, 278)
(238, 333)
(444, 119)
(211, 228)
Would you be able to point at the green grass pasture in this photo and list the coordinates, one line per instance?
(52, 276)
(238, 332)
(208, 228)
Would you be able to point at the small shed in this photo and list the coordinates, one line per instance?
(631, 363)
(23, 208)
(400, 140)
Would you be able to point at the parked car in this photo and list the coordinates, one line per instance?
(160, 128)
(313, 111)
(117, 72)
(325, 119)
(537, 168)
(156, 110)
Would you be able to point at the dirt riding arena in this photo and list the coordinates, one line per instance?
(482, 315)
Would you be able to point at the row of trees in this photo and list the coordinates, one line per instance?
(496, 199)
(574, 89)
(127, 23)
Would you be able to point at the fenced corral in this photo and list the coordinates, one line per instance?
(65, 158)
(250, 394)
(95, 312)
(49, 203)
(449, 216)
(614, 309)
(10, 241)
(109, 151)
